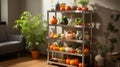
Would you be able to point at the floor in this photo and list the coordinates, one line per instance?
(25, 61)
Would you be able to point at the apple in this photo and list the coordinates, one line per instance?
(78, 8)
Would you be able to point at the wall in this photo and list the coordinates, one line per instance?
(34, 6)
(13, 14)
(4, 10)
(103, 11)
(10, 11)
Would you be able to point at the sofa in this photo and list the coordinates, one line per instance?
(10, 43)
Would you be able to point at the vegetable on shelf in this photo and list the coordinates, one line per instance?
(68, 7)
(53, 20)
(64, 20)
(78, 21)
(70, 35)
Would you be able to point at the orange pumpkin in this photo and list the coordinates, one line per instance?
(67, 61)
(72, 62)
(80, 65)
(53, 20)
(76, 61)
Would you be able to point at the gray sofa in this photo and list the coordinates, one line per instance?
(10, 43)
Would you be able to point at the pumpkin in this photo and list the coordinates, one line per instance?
(74, 62)
(53, 20)
(80, 65)
(67, 61)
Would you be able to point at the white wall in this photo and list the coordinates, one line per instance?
(4, 10)
(34, 6)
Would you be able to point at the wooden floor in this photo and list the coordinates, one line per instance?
(25, 61)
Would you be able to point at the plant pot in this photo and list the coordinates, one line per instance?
(35, 54)
(84, 5)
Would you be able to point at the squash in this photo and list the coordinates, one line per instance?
(53, 20)
(68, 61)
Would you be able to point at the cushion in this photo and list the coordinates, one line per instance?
(3, 35)
(9, 43)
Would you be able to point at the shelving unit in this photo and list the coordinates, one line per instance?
(57, 53)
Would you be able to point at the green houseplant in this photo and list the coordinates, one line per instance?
(84, 3)
(33, 29)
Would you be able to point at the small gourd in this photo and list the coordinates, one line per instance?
(53, 20)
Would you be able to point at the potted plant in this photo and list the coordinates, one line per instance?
(84, 3)
(33, 30)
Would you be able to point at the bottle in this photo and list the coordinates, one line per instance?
(57, 6)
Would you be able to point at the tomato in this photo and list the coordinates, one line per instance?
(68, 8)
(72, 51)
(56, 48)
(78, 8)
(86, 51)
(85, 8)
(51, 47)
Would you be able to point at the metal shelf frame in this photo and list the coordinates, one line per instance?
(81, 27)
